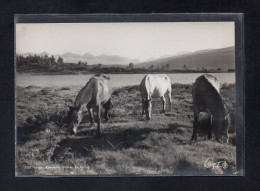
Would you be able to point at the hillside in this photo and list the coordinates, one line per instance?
(210, 59)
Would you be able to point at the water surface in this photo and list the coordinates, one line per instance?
(118, 80)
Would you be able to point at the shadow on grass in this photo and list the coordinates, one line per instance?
(105, 141)
(36, 124)
(116, 140)
(21, 138)
(25, 132)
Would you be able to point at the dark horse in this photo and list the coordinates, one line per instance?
(207, 98)
(96, 93)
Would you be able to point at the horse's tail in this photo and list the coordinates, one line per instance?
(144, 88)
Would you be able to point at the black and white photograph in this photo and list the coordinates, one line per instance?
(126, 99)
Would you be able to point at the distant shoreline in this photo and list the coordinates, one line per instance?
(108, 72)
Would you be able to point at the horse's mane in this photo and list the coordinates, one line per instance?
(81, 92)
(142, 85)
(215, 93)
(84, 91)
(213, 79)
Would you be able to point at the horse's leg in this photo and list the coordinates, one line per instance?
(91, 118)
(164, 103)
(168, 94)
(209, 123)
(209, 133)
(107, 106)
(142, 107)
(98, 118)
(106, 115)
(195, 124)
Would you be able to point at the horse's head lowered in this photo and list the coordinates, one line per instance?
(75, 117)
(222, 127)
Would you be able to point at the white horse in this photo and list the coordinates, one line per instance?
(155, 86)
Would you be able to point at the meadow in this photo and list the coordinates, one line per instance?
(128, 145)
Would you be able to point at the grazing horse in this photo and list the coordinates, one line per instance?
(156, 86)
(96, 93)
(206, 98)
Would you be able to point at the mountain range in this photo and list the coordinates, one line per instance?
(103, 59)
(223, 58)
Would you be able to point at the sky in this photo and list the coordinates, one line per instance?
(133, 40)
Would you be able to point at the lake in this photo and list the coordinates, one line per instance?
(118, 80)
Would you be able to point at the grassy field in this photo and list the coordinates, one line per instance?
(129, 145)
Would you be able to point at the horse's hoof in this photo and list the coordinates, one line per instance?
(219, 140)
(98, 134)
(193, 140)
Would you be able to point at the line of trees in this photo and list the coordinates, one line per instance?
(45, 63)
(36, 60)
(185, 68)
(82, 63)
(166, 67)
